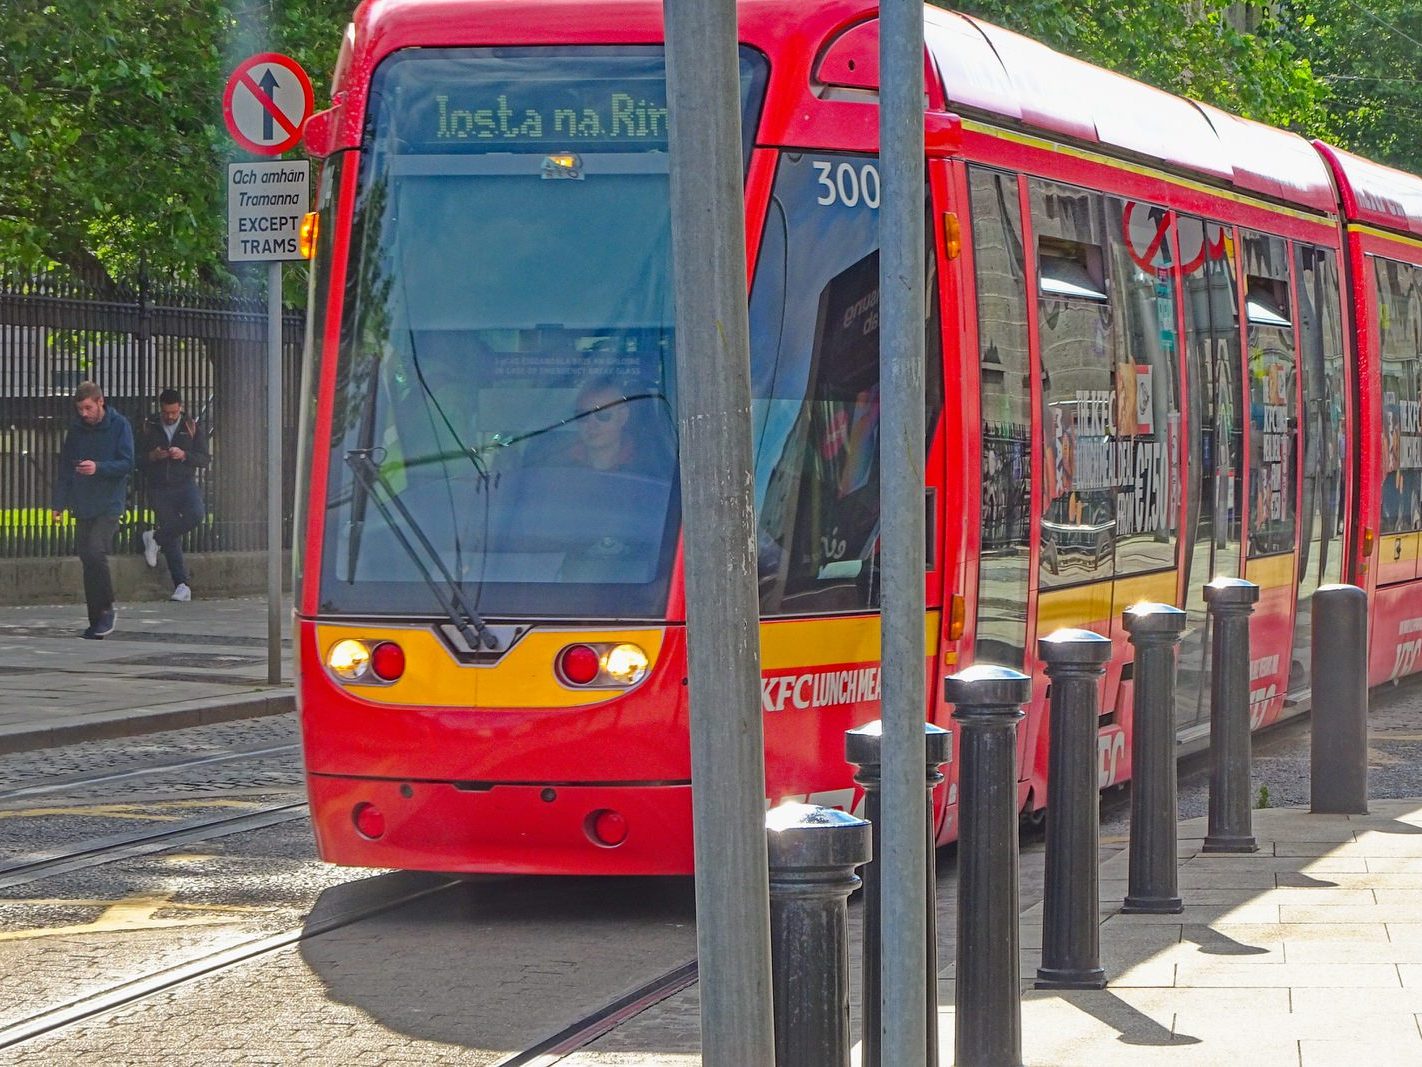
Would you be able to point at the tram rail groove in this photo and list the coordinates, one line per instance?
(139, 988)
(62, 785)
(96, 852)
(595, 1024)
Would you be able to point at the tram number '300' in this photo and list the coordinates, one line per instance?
(846, 184)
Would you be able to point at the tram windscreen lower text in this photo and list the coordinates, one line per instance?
(504, 415)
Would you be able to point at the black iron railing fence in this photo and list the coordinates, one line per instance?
(59, 329)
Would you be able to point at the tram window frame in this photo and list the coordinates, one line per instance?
(1146, 344)
(1272, 383)
(318, 301)
(1404, 386)
(1076, 526)
(1002, 307)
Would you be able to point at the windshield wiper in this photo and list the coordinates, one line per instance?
(450, 595)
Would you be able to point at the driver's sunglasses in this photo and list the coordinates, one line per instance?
(601, 414)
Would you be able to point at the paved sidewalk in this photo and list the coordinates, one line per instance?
(1307, 953)
(166, 666)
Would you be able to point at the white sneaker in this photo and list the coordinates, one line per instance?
(182, 593)
(150, 549)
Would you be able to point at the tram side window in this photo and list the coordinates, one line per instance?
(1006, 404)
(1400, 332)
(814, 318)
(1145, 446)
(1078, 532)
(318, 301)
(1215, 489)
(1273, 396)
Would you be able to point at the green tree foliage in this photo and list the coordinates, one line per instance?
(1365, 54)
(112, 145)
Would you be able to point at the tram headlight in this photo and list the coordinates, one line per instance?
(348, 659)
(626, 664)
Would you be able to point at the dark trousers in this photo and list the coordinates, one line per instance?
(95, 538)
(177, 510)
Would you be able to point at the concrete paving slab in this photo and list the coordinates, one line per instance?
(166, 666)
(1398, 1052)
(1362, 1005)
(1213, 975)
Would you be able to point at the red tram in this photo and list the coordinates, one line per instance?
(1164, 344)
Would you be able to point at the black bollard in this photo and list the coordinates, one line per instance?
(862, 747)
(1230, 825)
(988, 1003)
(1071, 910)
(1153, 885)
(813, 852)
(1338, 779)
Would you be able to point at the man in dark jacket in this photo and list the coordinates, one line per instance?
(171, 449)
(94, 464)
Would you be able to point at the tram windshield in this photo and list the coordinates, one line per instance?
(505, 411)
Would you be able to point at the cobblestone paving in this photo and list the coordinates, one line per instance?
(95, 757)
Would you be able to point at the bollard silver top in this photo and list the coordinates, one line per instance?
(1150, 618)
(988, 685)
(1069, 647)
(807, 835)
(862, 745)
(1231, 591)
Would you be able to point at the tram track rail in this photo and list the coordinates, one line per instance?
(147, 770)
(99, 851)
(595, 1024)
(140, 988)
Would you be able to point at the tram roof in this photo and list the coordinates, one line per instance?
(987, 69)
(1374, 194)
(984, 70)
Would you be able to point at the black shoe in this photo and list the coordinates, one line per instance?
(104, 626)
(92, 633)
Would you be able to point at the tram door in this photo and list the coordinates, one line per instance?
(1214, 487)
(1325, 393)
(1005, 404)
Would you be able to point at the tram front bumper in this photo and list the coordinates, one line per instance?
(503, 829)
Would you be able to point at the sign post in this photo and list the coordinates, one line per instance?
(267, 100)
(717, 487)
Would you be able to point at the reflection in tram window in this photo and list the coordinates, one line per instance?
(1078, 528)
(1146, 369)
(1400, 331)
(1005, 392)
(1273, 397)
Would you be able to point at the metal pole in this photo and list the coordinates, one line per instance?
(274, 448)
(1338, 766)
(987, 1000)
(1071, 916)
(863, 748)
(901, 348)
(1152, 886)
(718, 501)
(813, 852)
(1229, 826)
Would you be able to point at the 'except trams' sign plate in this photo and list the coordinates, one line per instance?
(265, 202)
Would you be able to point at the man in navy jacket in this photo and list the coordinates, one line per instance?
(94, 465)
(172, 447)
